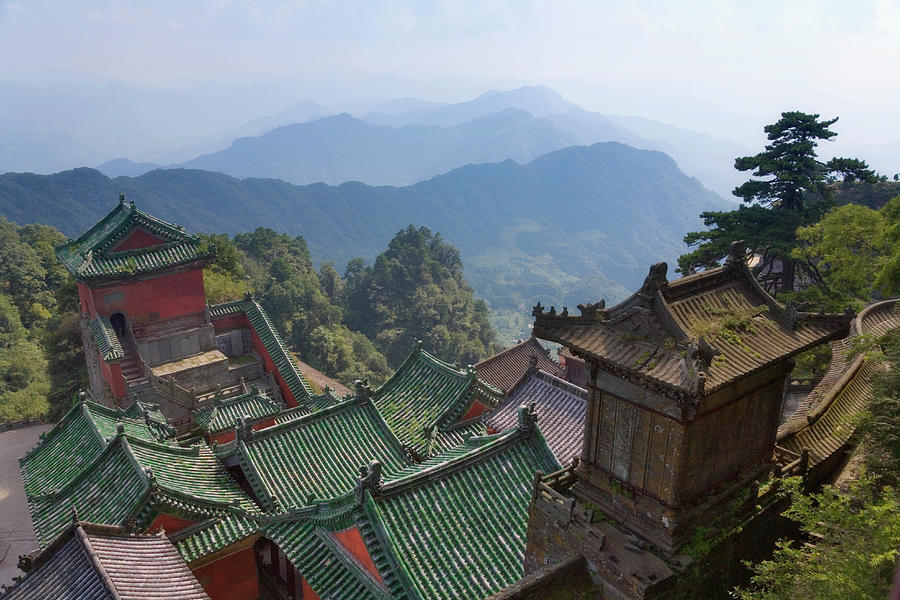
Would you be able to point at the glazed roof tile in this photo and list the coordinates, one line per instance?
(458, 528)
(91, 255)
(95, 562)
(834, 418)
(207, 537)
(222, 415)
(505, 369)
(692, 335)
(106, 339)
(134, 478)
(317, 454)
(153, 416)
(425, 400)
(451, 527)
(559, 404)
(73, 443)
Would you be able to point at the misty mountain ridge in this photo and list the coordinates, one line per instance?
(572, 225)
(324, 152)
(537, 100)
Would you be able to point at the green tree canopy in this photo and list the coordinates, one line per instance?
(789, 189)
(789, 162)
(415, 290)
(855, 251)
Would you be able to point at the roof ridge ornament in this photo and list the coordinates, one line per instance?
(369, 479)
(656, 279)
(243, 429)
(527, 417)
(737, 254)
(363, 390)
(592, 309)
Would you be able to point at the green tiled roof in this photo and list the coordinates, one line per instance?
(452, 527)
(425, 399)
(206, 537)
(106, 339)
(305, 536)
(284, 362)
(137, 478)
(108, 490)
(273, 344)
(90, 255)
(72, 445)
(458, 528)
(223, 414)
(318, 454)
(153, 416)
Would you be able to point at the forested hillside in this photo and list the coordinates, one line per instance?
(41, 363)
(360, 326)
(576, 224)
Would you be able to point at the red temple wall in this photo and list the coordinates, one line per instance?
(155, 299)
(227, 436)
(476, 409)
(352, 540)
(169, 523)
(307, 591)
(230, 578)
(112, 374)
(138, 239)
(235, 321)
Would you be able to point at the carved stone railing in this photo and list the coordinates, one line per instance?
(169, 388)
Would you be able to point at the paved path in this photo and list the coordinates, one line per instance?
(16, 533)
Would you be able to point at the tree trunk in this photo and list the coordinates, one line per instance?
(787, 275)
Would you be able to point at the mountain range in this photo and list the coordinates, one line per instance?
(409, 140)
(570, 226)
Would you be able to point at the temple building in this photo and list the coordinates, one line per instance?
(203, 446)
(686, 385)
(147, 329)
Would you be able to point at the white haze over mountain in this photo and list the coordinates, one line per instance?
(164, 82)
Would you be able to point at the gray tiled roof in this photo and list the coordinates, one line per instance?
(560, 408)
(99, 562)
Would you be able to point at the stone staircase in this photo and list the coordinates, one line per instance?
(132, 370)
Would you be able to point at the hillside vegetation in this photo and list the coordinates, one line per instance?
(573, 225)
(359, 326)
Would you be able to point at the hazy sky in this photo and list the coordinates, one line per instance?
(725, 67)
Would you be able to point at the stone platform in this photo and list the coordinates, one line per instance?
(203, 370)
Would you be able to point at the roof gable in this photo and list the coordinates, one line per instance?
(318, 454)
(100, 253)
(505, 369)
(425, 400)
